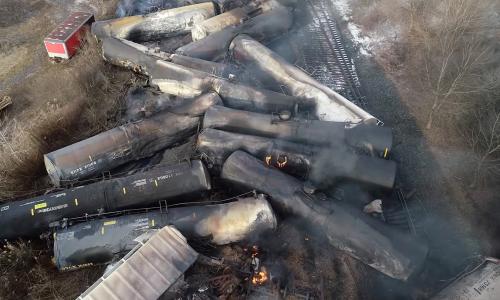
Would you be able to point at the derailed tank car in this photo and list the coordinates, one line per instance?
(165, 23)
(323, 166)
(387, 250)
(187, 77)
(31, 217)
(373, 138)
(132, 141)
(100, 240)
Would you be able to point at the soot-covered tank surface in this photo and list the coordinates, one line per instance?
(36, 215)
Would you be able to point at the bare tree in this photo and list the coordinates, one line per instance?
(456, 55)
(484, 139)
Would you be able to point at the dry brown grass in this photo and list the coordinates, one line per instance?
(27, 273)
(57, 105)
(60, 105)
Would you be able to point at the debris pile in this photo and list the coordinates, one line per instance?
(147, 271)
(270, 143)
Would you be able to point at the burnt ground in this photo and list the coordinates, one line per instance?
(443, 213)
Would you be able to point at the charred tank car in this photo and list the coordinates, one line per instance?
(31, 217)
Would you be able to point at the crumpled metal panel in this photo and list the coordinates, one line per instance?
(483, 283)
(148, 270)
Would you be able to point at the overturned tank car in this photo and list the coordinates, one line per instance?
(188, 77)
(323, 166)
(128, 142)
(382, 247)
(162, 24)
(31, 217)
(372, 138)
(101, 240)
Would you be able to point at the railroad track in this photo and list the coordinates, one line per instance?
(325, 58)
(323, 54)
(404, 213)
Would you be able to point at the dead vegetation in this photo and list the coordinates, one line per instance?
(484, 139)
(27, 273)
(447, 52)
(452, 41)
(80, 96)
(55, 105)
